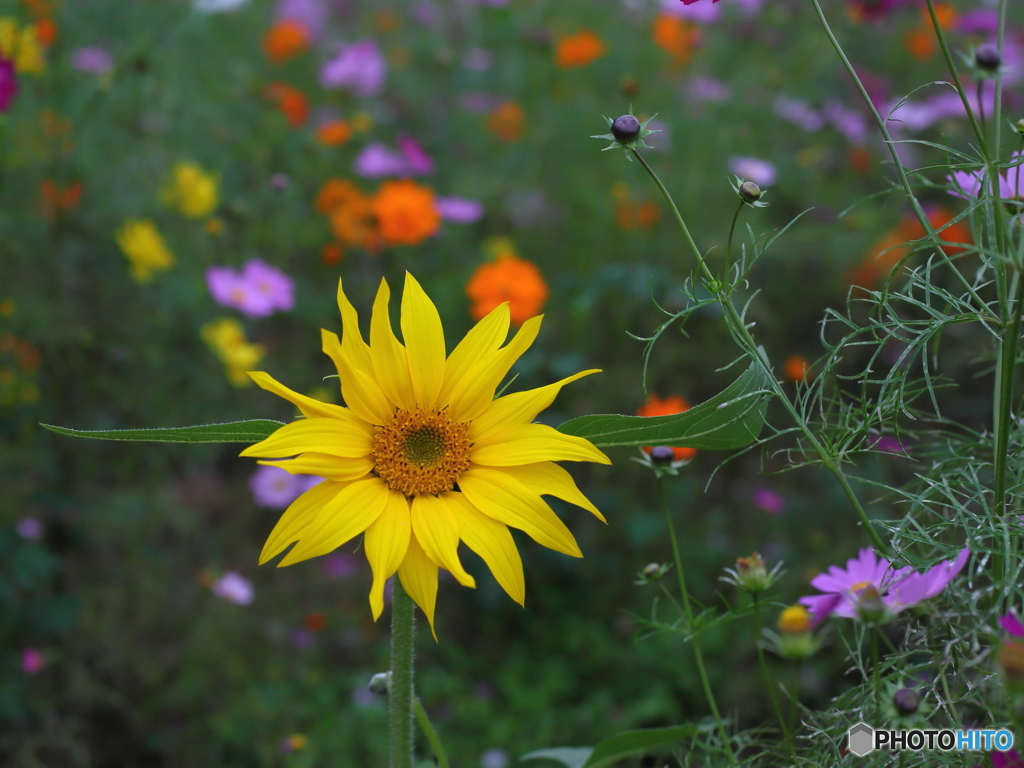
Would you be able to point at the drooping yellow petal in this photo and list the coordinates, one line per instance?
(330, 436)
(424, 342)
(475, 391)
(324, 465)
(360, 391)
(310, 407)
(549, 479)
(299, 515)
(518, 408)
(419, 577)
(493, 542)
(437, 529)
(532, 443)
(386, 543)
(352, 342)
(390, 364)
(483, 338)
(499, 495)
(344, 517)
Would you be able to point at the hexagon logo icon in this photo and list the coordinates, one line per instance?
(861, 739)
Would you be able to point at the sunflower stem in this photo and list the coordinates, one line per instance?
(428, 728)
(400, 687)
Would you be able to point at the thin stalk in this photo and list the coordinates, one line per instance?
(875, 675)
(769, 683)
(794, 695)
(749, 345)
(981, 106)
(427, 727)
(400, 687)
(695, 640)
(1004, 403)
(728, 247)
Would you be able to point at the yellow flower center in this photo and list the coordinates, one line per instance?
(421, 452)
(859, 586)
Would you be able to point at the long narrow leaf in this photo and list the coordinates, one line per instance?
(233, 432)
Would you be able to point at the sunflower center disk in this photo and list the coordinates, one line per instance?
(421, 452)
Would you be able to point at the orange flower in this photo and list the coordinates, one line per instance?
(944, 12)
(286, 40)
(797, 368)
(676, 37)
(291, 101)
(672, 404)
(46, 31)
(56, 201)
(506, 121)
(920, 43)
(507, 278)
(334, 133)
(578, 50)
(332, 253)
(335, 193)
(859, 159)
(405, 212)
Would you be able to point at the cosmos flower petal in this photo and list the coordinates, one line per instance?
(531, 443)
(424, 339)
(299, 515)
(483, 339)
(437, 530)
(549, 479)
(390, 364)
(499, 495)
(493, 542)
(386, 543)
(310, 407)
(518, 408)
(419, 577)
(343, 518)
(1012, 625)
(352, 343)
(943, 573)
(325, 466)
(329, 436)
(361, 392)
(475, 391)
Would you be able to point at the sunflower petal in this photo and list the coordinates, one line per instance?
(532, 443)
(437, 530)
(390, 364)
(343, 518)
(483, 338)
(493, 542)
(475, 391)
(360, 391)
(299, 515)
(310, 407)
(387, 542)
(499, 495)
(547, 478)
(419, 578)
(325, 466)
(424, 342)
(330, 436)
(351, 337)
(518, 408)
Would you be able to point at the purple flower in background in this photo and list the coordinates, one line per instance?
(494, 758)
(458, 210)
(761, 172)
(1012, 625)
(477, 59)
(276, 288)
(984, 21)
(703, 13)
(798, 112)
(32, 661)
(477, 102)
(359, 67)
(709, 89)
(230, 289)
(916, 116)
(377, 161)
(967, 184)
(234, 588)
(29, 528)
(302, 638)
(339, 566)
(416, 160)
(770, 501)
(8, 83)
(887, 444)
(312, 14)
(851, 124)
(273, 487)
(92, 60)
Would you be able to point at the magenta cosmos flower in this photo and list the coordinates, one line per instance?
(8, 83)
(376, 161)
(967, 184)
(359, 67)
(898, 589)
(257, 291)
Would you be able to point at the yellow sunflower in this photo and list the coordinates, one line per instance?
(424, 456)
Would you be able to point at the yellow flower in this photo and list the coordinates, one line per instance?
(22, 46)
(424, 456)
(226, 337)
(191, 191)
(144, 248)
(795, 620)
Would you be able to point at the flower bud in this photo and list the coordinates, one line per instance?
(651, 570)
(1011, 659)
(626, 128)
(662, 454)
(1020, 126)
(750, 192)
(870, 607)
(987, 57)
(906, 701)
(751, 573)
(794, 620)
(379, 683)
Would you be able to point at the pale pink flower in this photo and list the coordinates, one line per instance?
(234, 588)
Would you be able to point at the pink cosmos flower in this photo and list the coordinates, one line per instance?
(92, 60)
(899, 589)
(458, 210)
(377, 161)
(704, 13)
(359, 67)
(709, 89)
(967, 184)
(8, 83)
(768, 500)
(29, 528)
(798, 112)
(1012, 625)
(234, 588)
(32, 661)
(1010, 759)
(276, 288)
(761, 172)
(275, 488)
(853, 125)
(312, 14)
(257, 291)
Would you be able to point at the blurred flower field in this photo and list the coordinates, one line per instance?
(184, 182)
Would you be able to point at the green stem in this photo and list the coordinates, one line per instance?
(728, 247)
(432, 737)
(749, 345)
(794, 695)
(769, 684)
(400, 687)
(877, 678)
(695, 639)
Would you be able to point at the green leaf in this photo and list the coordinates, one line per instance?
(233, 432)
(731, 419)
(632, 742)
(573, 757)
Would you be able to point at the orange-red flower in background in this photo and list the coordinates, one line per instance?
(506, 121)
(630, 215)
(56, 201)
(655, 406)
(797, 368)
(578, 50)
(286, 40)
(46, 31)
(920, 41)
(334, 133)
(677, 37)
(350, 212)
(405, 212)
(507, 278)
(291, 101)
(332, 253)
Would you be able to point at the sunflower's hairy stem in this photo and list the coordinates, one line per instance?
(769, 683)
(400, 687)
(728, 247)
(695, 639)
(746, 342)
(432, 737)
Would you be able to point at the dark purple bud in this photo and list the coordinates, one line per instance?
(906, 701)
(750, 192)
(987, 57)
(626, 128)
(662, 454)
